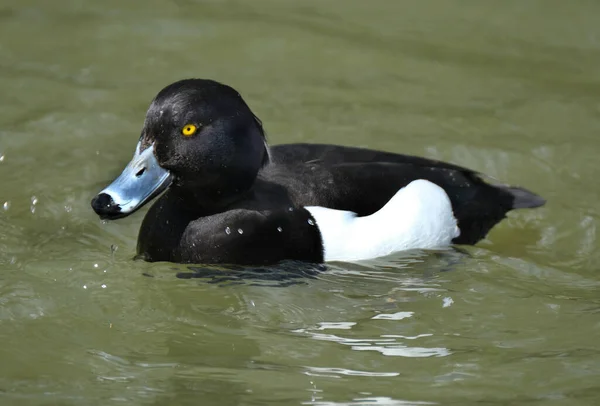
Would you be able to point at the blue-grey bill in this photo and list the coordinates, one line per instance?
(141, 180)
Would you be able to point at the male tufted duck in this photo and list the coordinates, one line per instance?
(230, 198)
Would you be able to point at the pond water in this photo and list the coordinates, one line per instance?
(508, 88)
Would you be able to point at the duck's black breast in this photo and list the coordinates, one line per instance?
(266, 225)
(252, 231)
(241, 236)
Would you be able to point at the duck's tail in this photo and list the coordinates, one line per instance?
(523, 198)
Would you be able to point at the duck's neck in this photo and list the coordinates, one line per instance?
(211, 193)
(209, 200)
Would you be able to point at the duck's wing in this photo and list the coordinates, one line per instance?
(327, 154)
(363, 180)
(332, 155)
(366, 187)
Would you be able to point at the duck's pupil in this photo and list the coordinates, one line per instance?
(140, 172)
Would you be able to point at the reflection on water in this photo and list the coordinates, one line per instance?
(283, 274)
(369, 401)
(288, 273)
(509, 88)
(387, 344)
(335, 372)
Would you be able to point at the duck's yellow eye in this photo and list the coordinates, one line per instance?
(189, 130)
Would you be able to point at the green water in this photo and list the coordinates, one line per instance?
(510, 88)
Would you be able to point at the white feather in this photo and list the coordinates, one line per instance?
(417, 216)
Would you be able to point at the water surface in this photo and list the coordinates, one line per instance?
(508, 88)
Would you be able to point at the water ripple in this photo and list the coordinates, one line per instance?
(376, 400)
(405, 351)
(343, 325)
(388, 345)
(393, 316)
(335, 372)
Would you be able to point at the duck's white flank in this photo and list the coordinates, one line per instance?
(417, 216)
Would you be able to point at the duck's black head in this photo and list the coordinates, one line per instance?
(200, 137)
